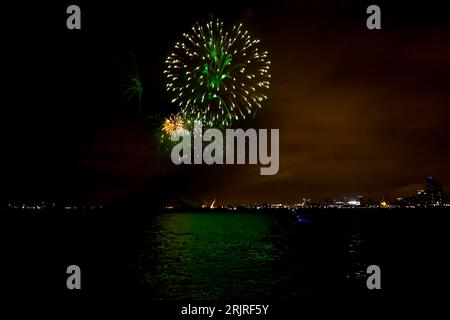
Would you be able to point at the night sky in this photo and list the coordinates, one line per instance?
(359, 111)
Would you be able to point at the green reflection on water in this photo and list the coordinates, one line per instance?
(212, 256)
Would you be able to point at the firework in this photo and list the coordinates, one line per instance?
(172, 125)
(133, 87)
(217, 76)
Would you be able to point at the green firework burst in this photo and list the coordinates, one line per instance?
(132, 88)
(217, 76)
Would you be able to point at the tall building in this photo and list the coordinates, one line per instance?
(434, 193)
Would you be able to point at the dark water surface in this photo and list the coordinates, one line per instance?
(225, 255)
(216, 256)
(229, 255)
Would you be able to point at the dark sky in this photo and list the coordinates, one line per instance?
(359, 111)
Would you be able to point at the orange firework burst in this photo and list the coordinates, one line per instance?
(173, 125)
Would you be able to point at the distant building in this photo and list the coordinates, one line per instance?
(361, 200)
(432, 196)
(434, 193)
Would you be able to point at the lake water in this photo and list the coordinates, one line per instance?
(216, 256)
(257, 256)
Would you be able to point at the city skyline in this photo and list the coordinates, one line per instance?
(431, 195)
